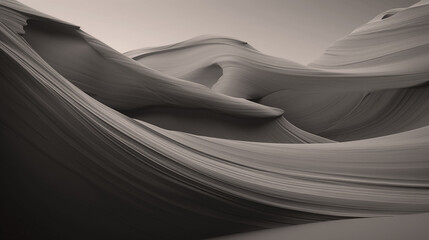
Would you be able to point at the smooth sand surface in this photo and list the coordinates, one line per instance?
(210, 137)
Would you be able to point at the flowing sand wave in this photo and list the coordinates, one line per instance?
(208, 137)
(400, 227)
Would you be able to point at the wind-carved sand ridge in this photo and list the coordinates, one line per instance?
(210, 137)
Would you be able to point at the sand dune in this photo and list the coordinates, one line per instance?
(400, 227)
(210, 137)
(354, 85)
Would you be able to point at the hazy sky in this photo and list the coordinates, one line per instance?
(294, 29)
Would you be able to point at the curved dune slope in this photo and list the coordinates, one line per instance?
(400, 227)
(209, 137)
(368, 84)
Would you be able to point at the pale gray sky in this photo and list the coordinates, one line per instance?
(298, 30)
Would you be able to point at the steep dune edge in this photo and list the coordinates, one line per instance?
(74, 166)
(128, 87)
(368, 84)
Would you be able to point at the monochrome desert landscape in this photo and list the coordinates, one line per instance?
(210, 137)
